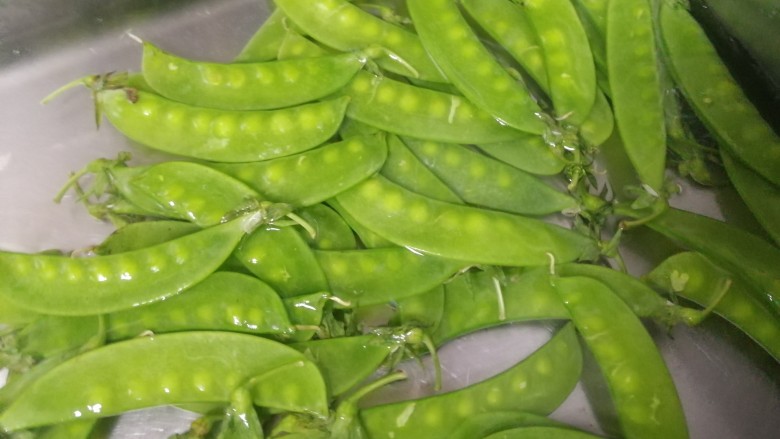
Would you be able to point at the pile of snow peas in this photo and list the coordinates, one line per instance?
(370, 180)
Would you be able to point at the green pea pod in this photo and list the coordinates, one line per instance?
(224, 301)
(247, 86)
(189, 367)
(331, 231)
(638, 380)
(135, 236)
(241, 420)
(312, 176)
(761, 196)
(80, 429)
(424, 310)
(483, 181)
(538, 384)
(50, 336)
(220, 135)
(306, 313)
(264, 43)
(485, 424)
(344, 26)
(637, 96)
(473, 234)
(63, 285)
(541, 432)
(530, 154)
(454, 46)
(714, 94)
(294, 45)
(756, 260)
(404, 168)
(368, 238)
(692, 276)
(374, 276)
(423, 113)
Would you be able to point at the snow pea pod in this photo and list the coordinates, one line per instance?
(312, 176)
(247, 86)
(220, 135)
(331, 230)
(95, 285)
(471, 234)
(638, 380)
(455, 47)
(373, 276)
(540, 432)
(188, 367)
(264, 43)
(637, 95)
(483, 181)
(530, 154)
(485, 424)
(134, 236)
(692, 276)
(224, 301)
(423, 113)
(294, 45)
(405, 169)
(423, 310)
(714, 94)
(368, 238)
(344, 26)
(538, 384)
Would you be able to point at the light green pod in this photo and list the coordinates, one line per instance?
(405, 169)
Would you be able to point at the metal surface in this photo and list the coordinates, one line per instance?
(729, 387)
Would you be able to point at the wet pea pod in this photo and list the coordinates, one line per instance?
(693, 277)
(247, 86)
(224, 301)
(409, 110)
(294, 45)
(714, 94)
(63, 285)
(483, 181)
(637, 96)
(424, 310)
(263, 45)
(331, 231)
(485, 424)
(530, 154)
(367, 238)
(571, 73)
(134, 236)
(542, 432)
(639, 382)
(307, 313)
(538, 384)
(281, 257)
(313, 176)
(455, 47)
(347, 27)
(220, 135)
(374, 276)
(472, 234)
(188, 367)
(485, 299)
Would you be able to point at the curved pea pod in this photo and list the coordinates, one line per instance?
(692, 276)
(455, 47)
(423, 113)
(424, 310)
(134, 236)
(637, 95)
(50, 335)
(480, 300)
(761, 196)
(294, 45)
(102, 284)
(14, 315)
(240, 420)
(247, 86)
(483, 181)
(642, 300)
(188, 367)
(485, 424)
(600, 123)
(637, 378)
(470, 234)
(282, 258)
(738, 251)
(405, 169)
(306, 313)
(224, 301)
(715, 96)
(368, 238)
(571, 72)
(374, 276)
(263, 45)
(220, 135)
(542, 432)
(79, 429)
(331, 231)
(344, 26)
(312, 176)
(530, 154)
(538, 384)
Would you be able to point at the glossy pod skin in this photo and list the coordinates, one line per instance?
(455, 47)
(714, 94)
(637, 95)
(263, 45)
(247, 86)
(423, 113)
(224, 301)
(312, 176)
(134, 236)
(530, 154)
(188, 367)
(693, 277)
(474, 235)
(331, 231)
(122, 280)
(541, 433)
(220, 135)
(485, 424)
(483, 181)
(538, 384)
(637, 378)
(357, 30)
